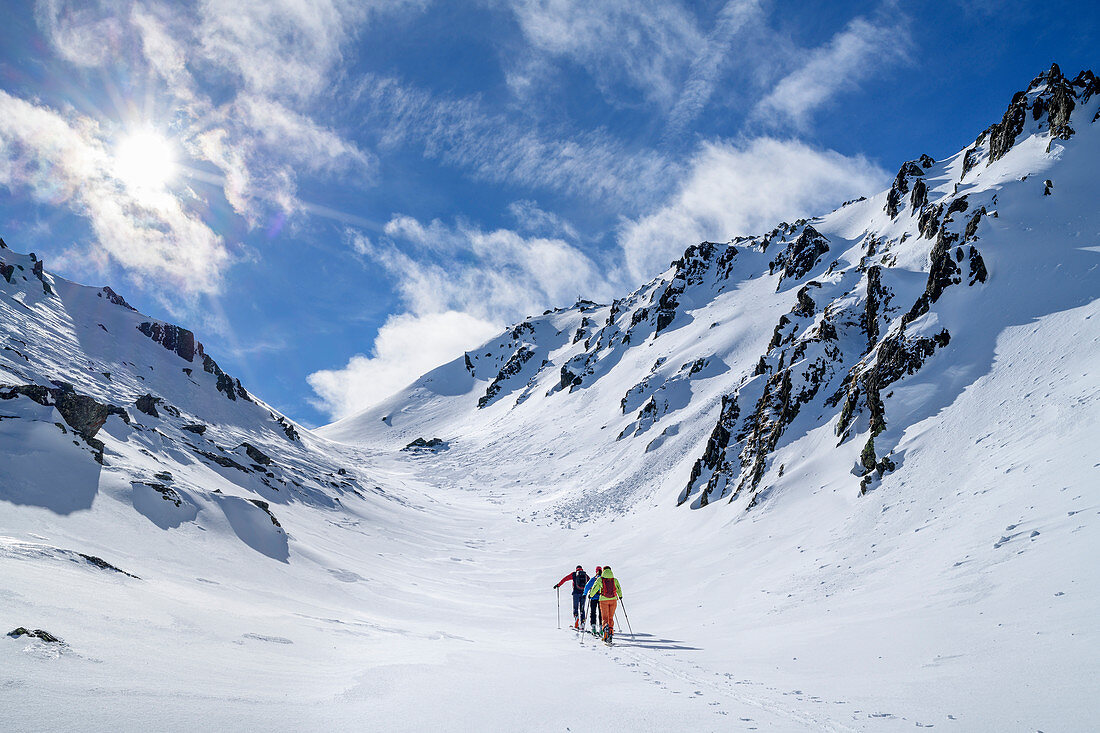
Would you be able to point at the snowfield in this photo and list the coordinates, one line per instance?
(894, 529)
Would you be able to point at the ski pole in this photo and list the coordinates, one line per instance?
(627, 616)
(557, 590)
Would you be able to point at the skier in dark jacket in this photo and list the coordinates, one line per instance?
(592, 595)
(580, 579)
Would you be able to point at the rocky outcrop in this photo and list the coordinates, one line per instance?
(267, 510)
(148, 404)
(511, 368)
(115, 298)
(799, 257)
(919, 197)
(39, 272)
(35, 634)
(176, 339)
(256, 454)
(1002, 135)
(894, 197)
(226, 384)
(82, 413)
(432, 444)
(288, 429)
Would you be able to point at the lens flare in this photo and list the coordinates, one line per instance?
(145, 161)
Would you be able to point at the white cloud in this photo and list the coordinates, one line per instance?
(68, 161)
(645, 46)
(284, 49)
(863, 48)
(736, 189)
(531, 218)
(460, 285)
(735, 17)
(84, 33)
(406, 346)
(500, 148)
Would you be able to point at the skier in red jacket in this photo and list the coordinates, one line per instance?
(580, 579)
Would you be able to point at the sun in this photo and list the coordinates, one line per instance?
(145, 161)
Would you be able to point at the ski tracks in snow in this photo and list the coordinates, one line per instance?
(661, 666)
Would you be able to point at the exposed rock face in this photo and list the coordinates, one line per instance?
(522, 355)
(35, 634)
(432, 444)
(82, 413)
(801, 255)
(288, 429)
(115, 298)
(267, 509)
(196, 428)
(173, 338)
(7, 271)
(908, 170)
(1003, 134)
(256, 454)
(148, 404)
(919, 197)
(876, 295)
(226, 384)
(40, 273)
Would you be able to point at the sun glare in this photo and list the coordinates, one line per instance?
(145, 161)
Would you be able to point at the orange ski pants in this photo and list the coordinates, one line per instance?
(607, 610)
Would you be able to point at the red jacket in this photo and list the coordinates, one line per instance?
(572, 577)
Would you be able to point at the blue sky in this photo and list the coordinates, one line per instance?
(337, 196)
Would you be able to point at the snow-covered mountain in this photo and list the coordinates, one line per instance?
(846, 471)
(732, 375)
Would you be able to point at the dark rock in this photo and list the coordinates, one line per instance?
(1048, 185)
(197, 428)
(173, 338)
(256, 454)
(432, 444)
(876, 296)
(978, 273)
(919, 197)
(901, 186)
(148, 405)
(104, 565)
(513, 366)
(927, 161)
(221, 460)
(288, 429)
(958, 205)
(970, 159)
(799, 257)
(1060, 104)
(115, 298)
(1002, 135)
(971, 232)
(163, 475)
(6, 271)
(35, 633)
(806, 305)
(40, 273)
(267, 509)
(929, 222)
(469, 364)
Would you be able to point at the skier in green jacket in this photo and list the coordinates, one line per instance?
(610, 593)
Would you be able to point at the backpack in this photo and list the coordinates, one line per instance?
(607, 589)
(580, 579)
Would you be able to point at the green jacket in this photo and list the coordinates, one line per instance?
(597, 587)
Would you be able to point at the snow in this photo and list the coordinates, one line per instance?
(412, 590)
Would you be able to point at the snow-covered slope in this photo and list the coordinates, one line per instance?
(846, 472)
